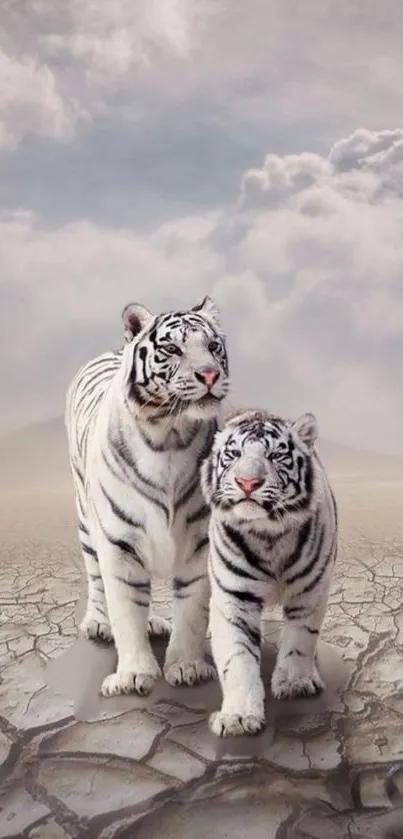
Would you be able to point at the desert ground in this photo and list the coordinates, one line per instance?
(73, 764)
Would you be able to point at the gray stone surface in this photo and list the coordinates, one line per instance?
(74, 765)
(18, 811)
(88, 785)
(5, 746)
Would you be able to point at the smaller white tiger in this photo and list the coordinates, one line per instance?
(273, 536)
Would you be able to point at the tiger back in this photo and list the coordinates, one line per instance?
(140, 422)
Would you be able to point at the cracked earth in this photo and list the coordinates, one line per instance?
(73, 764)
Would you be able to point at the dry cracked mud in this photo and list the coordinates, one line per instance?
(73, 764)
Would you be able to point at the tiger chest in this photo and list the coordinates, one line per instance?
(176, 492)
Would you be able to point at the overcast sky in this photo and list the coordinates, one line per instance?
(158, 150)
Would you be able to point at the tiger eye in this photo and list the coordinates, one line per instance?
(172, 349)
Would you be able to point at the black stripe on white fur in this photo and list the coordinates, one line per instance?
(140, 422)
(273, 537)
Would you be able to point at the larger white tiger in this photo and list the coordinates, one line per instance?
(273, 536)
(140, 422)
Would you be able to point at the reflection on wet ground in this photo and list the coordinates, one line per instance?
(73, 764)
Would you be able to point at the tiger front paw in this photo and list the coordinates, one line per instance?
(234, 725)
(96, 628)
(138, 676)
(290, 683)
(189, 673)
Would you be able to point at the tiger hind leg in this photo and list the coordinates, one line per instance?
(296, 673)
(95, 624)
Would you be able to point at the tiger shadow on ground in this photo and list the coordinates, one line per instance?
(78, 673)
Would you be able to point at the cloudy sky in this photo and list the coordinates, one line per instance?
(158, 150)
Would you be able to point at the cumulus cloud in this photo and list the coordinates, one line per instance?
(110, 42)
(31, 102)
(62, 291)
(59, 64)
(248, 63)
(306, 265)
(325, 242)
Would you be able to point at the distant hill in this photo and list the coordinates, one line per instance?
(37, 456)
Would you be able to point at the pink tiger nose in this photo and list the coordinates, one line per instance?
(208, 376)
(248, 485)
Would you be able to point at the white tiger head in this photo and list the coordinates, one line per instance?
(176, 363)
(262, 467)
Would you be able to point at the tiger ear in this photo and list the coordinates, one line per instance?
(135, 318)
(208, 482)
(307, 429)
(209, 308)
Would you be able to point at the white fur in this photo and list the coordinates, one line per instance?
(246, 579)
(132, 539)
